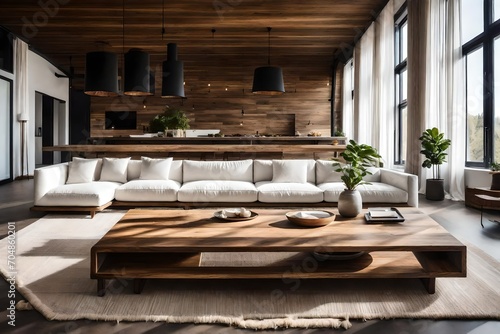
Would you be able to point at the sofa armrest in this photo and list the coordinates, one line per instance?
(47, 178)
(404, 181)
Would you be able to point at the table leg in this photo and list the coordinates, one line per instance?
(482, 217)
(429, 284)
(139, 285)
(101, 287)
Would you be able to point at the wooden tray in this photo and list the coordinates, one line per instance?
(326, 218)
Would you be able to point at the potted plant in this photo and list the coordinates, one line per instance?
(434, 146)
(357, 157)
(495, 176)
(171, 119)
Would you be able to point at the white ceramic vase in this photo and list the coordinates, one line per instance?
(350, 203)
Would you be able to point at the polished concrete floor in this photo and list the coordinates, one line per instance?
(16, 199)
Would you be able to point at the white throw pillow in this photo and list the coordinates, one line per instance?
(325, 172)
(155, 169)
(289, 171)
(114, 169)
(81, 171)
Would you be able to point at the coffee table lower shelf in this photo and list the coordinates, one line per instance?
(424, 265)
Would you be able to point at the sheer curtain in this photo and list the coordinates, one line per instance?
(364, 87)
(347, 101)
(437, 97)
(374, 85)
(384, 99)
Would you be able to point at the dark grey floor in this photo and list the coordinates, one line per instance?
(16, 199)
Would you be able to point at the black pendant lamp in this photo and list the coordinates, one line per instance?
(268, 80)
(137, 76)
(172, 84)
(101, 74)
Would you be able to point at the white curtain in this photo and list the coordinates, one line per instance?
(384, 99)
(364, 80)
(438, 99)
(20, 99)
(347, 101)
(374, 86)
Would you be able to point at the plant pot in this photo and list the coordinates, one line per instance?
(350, 203)
(434, 189)
(495, 181)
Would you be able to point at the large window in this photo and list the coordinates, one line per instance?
(401, 81)
(481, 50)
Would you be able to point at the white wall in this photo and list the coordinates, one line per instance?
(41, 78)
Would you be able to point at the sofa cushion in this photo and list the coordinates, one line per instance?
(148, 191)
(155, 169)
(325, 172)
(374, 177)
(81, 171)
(375, 192)
(81, 194)
(238, 170)
(114, 169)
(263, 170)
(134, 170)
(217, 191)
(272, 192)
(290, 171)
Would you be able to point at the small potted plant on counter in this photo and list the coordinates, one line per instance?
(172, 122)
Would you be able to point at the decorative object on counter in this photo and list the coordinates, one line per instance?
(357, 157)
(339, 133)
(314, 133)
(433, 148)
(170, 122)
(495, 176)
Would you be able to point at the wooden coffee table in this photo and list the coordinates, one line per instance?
(167, 244)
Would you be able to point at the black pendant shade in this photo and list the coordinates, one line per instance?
(137, 74)
(172, 84)
(268, 80)
(101, 74)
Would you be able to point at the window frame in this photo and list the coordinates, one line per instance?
(486, 40)
(401, 65)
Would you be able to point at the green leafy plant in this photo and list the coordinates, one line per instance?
(172, 118)
(357, 158)
(339, 133)
(434, 146)
(495, 166)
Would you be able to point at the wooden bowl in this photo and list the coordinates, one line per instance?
(323, 218)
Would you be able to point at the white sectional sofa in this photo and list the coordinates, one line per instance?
(95, 184)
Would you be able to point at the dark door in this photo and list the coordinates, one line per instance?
(48, 128)
(79, 117)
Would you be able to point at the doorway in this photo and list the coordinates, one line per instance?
(5, 130)
(50, 128)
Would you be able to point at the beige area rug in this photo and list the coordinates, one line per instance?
(52, 257)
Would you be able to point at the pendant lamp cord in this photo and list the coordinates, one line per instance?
(269, 46)
(162, 19)
(123, 27)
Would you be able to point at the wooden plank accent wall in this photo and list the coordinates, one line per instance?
(228, 103)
